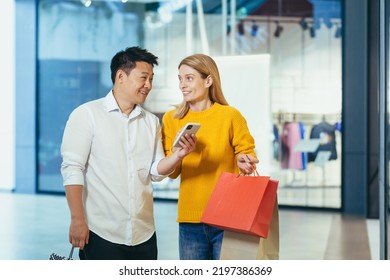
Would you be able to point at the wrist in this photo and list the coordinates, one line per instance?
(177, 155)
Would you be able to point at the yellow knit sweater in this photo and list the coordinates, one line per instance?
(223, 135)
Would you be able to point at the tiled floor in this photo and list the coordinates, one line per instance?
(34, 226)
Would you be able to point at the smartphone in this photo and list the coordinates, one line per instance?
(189, 128)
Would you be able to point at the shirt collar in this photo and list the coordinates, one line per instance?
(112, 105)
(137, 111)
(110, 102)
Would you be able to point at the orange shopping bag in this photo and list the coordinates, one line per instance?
(242, 203)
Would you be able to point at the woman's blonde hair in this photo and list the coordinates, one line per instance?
(206, 66)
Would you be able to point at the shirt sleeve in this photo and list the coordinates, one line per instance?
(159, 155)
(168, 135)
(76, 146)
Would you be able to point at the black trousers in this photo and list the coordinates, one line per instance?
(101, 249)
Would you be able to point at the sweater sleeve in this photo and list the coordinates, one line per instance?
(242, 140)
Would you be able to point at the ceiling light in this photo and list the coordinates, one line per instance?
(228, 29)
(338, 34)
(328, 23)
(240, 28)
(303, 24)
(254, 30)
(278, 30)
(312, 32)
(317, 23)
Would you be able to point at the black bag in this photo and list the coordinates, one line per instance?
(55, 257)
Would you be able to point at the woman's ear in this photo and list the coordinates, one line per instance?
(209, 81)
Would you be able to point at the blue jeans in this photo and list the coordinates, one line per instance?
(199, 242)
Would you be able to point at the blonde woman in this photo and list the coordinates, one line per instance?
(224, 143)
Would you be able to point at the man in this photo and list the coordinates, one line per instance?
(111, 152)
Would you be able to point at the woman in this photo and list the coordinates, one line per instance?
(224, 143)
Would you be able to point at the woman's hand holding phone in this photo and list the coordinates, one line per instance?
(190, 129)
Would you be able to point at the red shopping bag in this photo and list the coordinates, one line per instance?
(242, 203)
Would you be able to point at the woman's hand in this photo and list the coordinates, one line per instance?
(246, 163)
(187, 143)
(168, 164)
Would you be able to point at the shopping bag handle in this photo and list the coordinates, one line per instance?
(254, 173)
(71, 253)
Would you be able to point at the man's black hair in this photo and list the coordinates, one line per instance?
(126, 60)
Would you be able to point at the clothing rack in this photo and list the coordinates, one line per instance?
(309, 120)
(306, 118)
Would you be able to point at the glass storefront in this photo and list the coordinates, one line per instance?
(76, 44)
(301, 85)
(385, 114)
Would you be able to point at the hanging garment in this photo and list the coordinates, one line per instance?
(276, 143)
(326, 133)
(291, 135)
(304, 155)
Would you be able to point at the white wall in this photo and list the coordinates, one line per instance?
(7, 94)
(250, 94)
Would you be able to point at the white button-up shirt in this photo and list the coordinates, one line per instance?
(115, 158)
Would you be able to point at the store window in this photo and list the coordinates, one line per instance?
(301, 44)
(76, 43)
(385, 232)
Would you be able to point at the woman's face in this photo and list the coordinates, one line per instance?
(192, 85)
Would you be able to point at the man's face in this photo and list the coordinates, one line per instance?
(137, 85)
